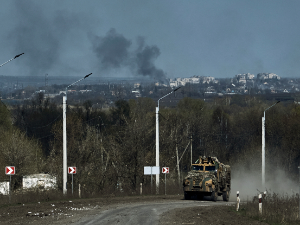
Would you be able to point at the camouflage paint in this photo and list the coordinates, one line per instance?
(202, 182)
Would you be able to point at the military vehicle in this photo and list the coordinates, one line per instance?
(208, 177)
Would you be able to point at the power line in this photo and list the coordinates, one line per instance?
(47, 124)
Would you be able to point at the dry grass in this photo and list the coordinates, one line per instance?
(276, 209)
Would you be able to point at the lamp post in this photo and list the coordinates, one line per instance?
(157, 138)
(11, 59)
(264, 146)
(65, 136)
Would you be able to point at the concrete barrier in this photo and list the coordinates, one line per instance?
(4, 188)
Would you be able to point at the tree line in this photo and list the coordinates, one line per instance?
(110, 147)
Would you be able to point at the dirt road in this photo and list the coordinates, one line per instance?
(123, 210)
(142, 213)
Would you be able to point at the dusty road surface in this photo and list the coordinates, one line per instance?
(141, 213)
(123, 210)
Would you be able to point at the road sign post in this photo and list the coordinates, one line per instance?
(165, 170)
(150, 170)
(72, 170)
(151, 183)
(10, 170)
(9, 189)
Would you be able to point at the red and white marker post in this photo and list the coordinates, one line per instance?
(260, 204)
(72, 170)
(10, 170)
(165, 170)
(237, 200)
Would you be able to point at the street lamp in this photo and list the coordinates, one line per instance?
(65, 136)
(264, 145)
(157, 139)
(12, 59)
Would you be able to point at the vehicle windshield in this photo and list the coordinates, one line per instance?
(197, 167)
(210, 168)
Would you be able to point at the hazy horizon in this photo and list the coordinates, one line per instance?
(158, 39)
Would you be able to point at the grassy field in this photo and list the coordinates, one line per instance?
(276, 209)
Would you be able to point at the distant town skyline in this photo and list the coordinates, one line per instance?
(158, 39)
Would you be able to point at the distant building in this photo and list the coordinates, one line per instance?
(84, 91)
(158, 84)
(40, 91)
(207, 79)
(244, 77)
(173, 84)
(137, 93)
(136, 85)
(194, 80)
(176, 82)
(267, 76)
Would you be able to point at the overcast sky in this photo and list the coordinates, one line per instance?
(157, 38)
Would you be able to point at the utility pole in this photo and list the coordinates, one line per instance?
(65, 168)
(178, 171)
(264, 146)
(157, 138)
(191, 149)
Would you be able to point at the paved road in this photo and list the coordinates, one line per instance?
(137, 213)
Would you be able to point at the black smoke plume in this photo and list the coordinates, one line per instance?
(114, 51)
(43, 39)
(33, 35)
(145, 57)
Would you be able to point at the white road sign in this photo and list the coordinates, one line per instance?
(10, 170)
(151, 170)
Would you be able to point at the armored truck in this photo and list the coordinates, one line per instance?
(208, 177)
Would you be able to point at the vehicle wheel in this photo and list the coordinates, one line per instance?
(226, 196)
(214, 196)
(187, 196)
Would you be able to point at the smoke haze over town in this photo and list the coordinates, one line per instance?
(157, 39)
